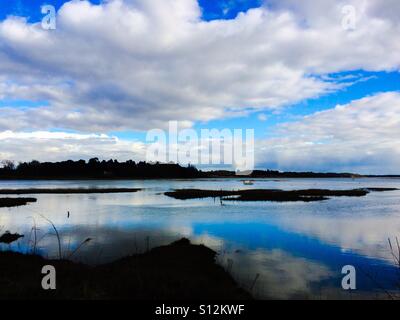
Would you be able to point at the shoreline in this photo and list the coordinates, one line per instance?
(239, 177)
(67, 191)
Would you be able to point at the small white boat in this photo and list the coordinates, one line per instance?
(248, 182)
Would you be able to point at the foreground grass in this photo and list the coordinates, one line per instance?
(178, 271)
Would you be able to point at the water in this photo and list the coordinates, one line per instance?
(276, 250)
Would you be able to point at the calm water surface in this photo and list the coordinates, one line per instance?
(278, 250)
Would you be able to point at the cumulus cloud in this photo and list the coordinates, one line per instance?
(135, 64)
(362, 136)
(55, 146)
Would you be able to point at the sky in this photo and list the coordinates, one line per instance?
(319, 82)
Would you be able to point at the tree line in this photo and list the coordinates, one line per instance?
(113, 169)
(96, 169)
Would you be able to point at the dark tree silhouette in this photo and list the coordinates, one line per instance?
(96, 169)
(112, 169)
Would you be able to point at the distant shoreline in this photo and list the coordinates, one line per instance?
(188, 179)
(95, 169)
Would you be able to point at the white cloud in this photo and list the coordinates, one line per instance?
(139, 63)
(55, 146)
(362, 136)
(136, 64)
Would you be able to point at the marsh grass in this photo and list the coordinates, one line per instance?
(34, 240)
(395, 251)
(394, 248)
(57, 235)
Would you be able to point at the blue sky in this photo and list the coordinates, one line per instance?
(212, 9)
(377, 82)
(325, 86)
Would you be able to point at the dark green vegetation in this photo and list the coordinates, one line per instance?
(112, 169)
(178, 271)
(67, 191)
(96, 169)
(271, 194)
(15, 202)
